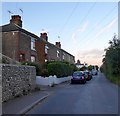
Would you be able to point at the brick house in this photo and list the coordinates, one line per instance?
(20, 44)
(54, 52)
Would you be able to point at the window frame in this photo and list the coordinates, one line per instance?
(58, 54)
(33, 44)
(34, 60)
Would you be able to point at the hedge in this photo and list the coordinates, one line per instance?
(60, 69)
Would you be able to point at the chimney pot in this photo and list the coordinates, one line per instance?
(44, 36)
(16, 19)
(58, 44)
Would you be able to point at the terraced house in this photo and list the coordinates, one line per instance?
(22, 45)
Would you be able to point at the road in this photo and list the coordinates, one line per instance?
(97, 96)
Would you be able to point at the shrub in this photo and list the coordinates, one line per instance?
(44, 73)
(60, 69)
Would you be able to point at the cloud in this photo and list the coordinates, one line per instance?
(93, 56)
(80, 30)
(83, 27)
(107, 28)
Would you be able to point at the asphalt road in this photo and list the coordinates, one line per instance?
(97, 96)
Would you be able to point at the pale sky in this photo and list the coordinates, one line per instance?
(85, 28)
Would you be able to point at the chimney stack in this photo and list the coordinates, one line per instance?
(44, 36)
(58, 44)
(16, 19)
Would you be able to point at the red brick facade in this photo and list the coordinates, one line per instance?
(40, 48)
(16, 44)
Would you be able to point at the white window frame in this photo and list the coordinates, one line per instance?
(46, 60)
(32, 43)
(46, 49)
(33, 58)
(58, 53)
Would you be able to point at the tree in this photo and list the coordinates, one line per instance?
(111, 61)
(90, 67)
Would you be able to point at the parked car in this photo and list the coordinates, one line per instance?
(88, 75)
(78, 77)
(94, 72)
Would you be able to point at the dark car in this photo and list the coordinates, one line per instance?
(78, 77)
(88, 75)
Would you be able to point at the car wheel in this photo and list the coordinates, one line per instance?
(71, 82)
(84, 81)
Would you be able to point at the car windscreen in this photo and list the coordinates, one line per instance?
(77, 74)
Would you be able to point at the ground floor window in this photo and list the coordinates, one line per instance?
(46, 60)
(22, 57)
(32, 58)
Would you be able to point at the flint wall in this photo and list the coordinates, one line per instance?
(17, 80)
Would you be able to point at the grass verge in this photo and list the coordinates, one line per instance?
(114, 79)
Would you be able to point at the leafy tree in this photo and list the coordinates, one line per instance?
(111, 61)
(90, 67)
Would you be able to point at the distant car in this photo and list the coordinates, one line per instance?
(78, 77)
(88, 75)
(94, 72)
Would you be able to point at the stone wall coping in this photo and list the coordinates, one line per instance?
(16, 65)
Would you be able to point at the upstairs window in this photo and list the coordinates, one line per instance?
(58, 53)
(32, 43)
(46, 49)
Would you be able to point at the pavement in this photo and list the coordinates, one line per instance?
(21, 105)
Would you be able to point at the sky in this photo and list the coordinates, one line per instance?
(83, 28)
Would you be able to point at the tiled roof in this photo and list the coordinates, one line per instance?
(14, 27)
(59, 48)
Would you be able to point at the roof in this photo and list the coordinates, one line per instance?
(13, 27)
(59, 48)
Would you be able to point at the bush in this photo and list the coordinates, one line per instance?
(60, 69)
(38, 67)
(44, 73)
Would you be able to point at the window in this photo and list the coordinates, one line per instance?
(32, 58)
(58, 53)
(46, 60)
(46, 49)
(22, 57)
(32, 43)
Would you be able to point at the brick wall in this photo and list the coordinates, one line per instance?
(15, 43)
(10, 44)
(52, 54)
(40, 48)
(25, 46)
(17, 80)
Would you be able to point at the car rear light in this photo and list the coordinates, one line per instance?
(82, 77)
